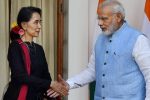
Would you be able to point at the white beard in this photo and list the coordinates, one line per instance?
(107, 33)
(111, 29)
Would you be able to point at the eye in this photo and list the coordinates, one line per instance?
(102, 18)
(37, 22)
(40, 21)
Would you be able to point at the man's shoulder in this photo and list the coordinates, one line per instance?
(134, 30)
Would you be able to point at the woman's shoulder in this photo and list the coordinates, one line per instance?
(38, 45)
(14, 44)
(14, 49)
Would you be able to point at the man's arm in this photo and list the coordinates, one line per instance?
(84, 77)
(141, 53)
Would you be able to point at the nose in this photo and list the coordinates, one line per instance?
(39, 25)
(100, 22)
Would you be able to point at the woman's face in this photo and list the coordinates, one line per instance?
(33, 26)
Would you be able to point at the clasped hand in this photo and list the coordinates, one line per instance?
(58, 88)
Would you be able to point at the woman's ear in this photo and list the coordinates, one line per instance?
(24, 25)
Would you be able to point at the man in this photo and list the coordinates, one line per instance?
(120, 62)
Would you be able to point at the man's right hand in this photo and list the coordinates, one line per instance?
(63, 82)
(60, 87)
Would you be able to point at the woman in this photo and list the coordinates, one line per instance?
(35, 82)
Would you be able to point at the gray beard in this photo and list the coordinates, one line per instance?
(111, 30)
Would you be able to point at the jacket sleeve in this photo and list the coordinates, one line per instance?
(18, 71)
(46, 74)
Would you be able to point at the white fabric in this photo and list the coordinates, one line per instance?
(86, 76)
(141, 53)
(146, 26)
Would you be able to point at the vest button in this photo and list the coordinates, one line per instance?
(105, 63)
(106, 51)
(103, 86)
(103, 97)
(103, 75)
(110, 41)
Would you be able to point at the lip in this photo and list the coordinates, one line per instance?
(103, 29)
(38, 31)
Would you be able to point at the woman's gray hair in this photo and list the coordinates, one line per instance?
(115, 5)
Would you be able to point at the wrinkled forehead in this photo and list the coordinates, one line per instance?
(105, 11)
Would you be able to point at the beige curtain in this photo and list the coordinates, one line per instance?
(4, 41)
(46, 39)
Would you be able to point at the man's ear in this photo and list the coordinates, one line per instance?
(24, 25)
(119, 17)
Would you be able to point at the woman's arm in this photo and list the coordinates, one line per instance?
(46, 74)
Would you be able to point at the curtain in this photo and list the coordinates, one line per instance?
(4, 42)
(47, 37)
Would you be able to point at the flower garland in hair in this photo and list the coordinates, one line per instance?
(16, 29)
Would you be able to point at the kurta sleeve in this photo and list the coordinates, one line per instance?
(84, 77)
(141, 53)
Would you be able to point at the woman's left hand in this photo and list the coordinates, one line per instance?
(51, 93)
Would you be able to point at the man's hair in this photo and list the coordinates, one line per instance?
(116, 7)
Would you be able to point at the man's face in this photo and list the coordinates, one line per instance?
(108, 21)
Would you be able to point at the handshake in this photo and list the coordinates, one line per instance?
(58, 88)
